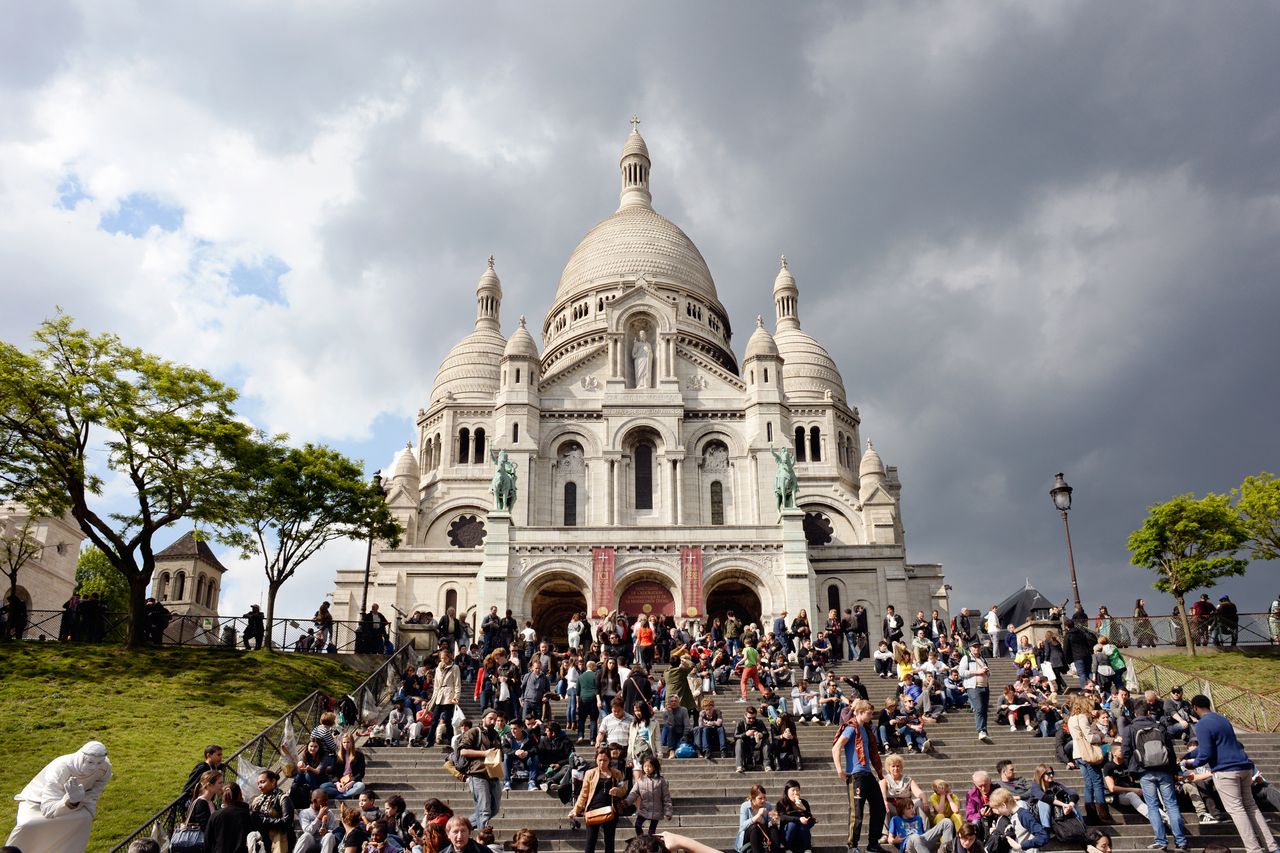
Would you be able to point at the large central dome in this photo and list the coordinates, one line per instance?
(635, 239)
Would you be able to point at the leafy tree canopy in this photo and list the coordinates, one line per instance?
(1258, 503)
(292, 501)
(94, 573)
(79, 405)
(1189, 543)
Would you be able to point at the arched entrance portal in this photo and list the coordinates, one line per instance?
(553, 608)
(648, 598)
(736, 596)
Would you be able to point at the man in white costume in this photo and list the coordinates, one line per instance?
(56, 809)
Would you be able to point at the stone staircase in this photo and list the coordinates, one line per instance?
(706, 795)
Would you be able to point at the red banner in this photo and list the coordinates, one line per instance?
(602, 574)
(691, 580)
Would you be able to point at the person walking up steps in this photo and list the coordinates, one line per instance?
(750, 668)
(1220, 750)
(856, 756)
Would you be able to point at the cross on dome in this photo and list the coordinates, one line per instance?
(759, 322)
(491, 262)
(783, 258)
(522, 321)
(635, 123)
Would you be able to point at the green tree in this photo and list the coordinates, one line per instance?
(1258, 502)
(80, 406)
(18, 546)
(293, 501)
(95, 574)
(1189, 543)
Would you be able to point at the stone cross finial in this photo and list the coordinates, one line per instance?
(759, 322)
(522, 321)
(635, 123)
(491, 262)
(408, 445)
(869, 446)
(783, 258)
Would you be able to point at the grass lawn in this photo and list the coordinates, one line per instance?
(1256, 669)
(155, 709)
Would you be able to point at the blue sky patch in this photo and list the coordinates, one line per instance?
(138, 213)
(261, 279)
(70, 193)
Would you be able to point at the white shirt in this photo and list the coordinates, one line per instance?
(615, 730)
(993, 623)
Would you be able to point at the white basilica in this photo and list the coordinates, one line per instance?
(644, 455)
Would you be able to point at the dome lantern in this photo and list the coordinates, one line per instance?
(488, 299)
(786, 297)
(634, 167)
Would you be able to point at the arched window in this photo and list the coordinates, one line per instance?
(464, 445)
(437, 453)
(515, 432)
(799, 444)
(768, 431)
(517, 376)
(450, 600)
(717, 502)
(477, 454)
(163, 592)
(815, 445)
(766, 376)
(199, 589)
(840, 447)
(179, 586)
(570, 504)
(644, 475)
(833, 598)
(209, 596)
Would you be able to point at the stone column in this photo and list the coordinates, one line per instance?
(798, 576)
(491, 582)
(679, 492)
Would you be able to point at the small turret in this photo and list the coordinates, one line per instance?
(489, 300)
(634, 167)
(871, 471)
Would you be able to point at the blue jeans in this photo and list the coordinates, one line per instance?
(530, 764)
(487, 794)
(796, 836)
(1094, 791)
(331, 788)
(979, 698)
(1157, 787)
(957, 699)
(703, 735)
(831, 712)
(913, 738)
(853, 646)
(571, 708)
(671, 736)
(1082, 671)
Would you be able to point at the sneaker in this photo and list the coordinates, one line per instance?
(1013, 727)
(853, 850)
(737, 770)
(927, 746)
(1156, 845)
(768, 769)
(533, 786)
(1205, 817)
(506, 787)
(984, 737)
(742, 701)
(1029, 727)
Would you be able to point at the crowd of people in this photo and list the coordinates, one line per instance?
(734, 691)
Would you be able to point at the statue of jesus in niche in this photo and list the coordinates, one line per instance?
(642, 360)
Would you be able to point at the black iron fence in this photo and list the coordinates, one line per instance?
(290, 634)
(1247, 629)
(269, 748)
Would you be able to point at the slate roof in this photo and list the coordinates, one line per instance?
(187, 547)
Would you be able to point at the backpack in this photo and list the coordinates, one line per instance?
(1117, 660)
(1149, 748)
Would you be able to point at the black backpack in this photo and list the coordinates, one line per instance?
(1149, 749)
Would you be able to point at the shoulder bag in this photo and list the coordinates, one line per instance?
(187, 837)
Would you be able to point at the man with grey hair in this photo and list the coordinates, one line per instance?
(144, 845)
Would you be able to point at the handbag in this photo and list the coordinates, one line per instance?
(187, 837)
(595, 817)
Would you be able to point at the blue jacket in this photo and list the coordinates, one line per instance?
(1218, 746)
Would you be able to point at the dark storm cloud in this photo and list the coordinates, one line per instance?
(1033, 236)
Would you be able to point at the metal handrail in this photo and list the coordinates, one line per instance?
(379, 687)
(1250, 629)
(1245, 709)
(187, 630)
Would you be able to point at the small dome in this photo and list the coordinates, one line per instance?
(471, 367)
(489, 281)
(871, 464)
(521, 344)
(761, 343)
(405, 465)
(807, 368)
(785, 280)
(635, 145)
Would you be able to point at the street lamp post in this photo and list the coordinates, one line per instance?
(1061, 494)
(368, 557)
